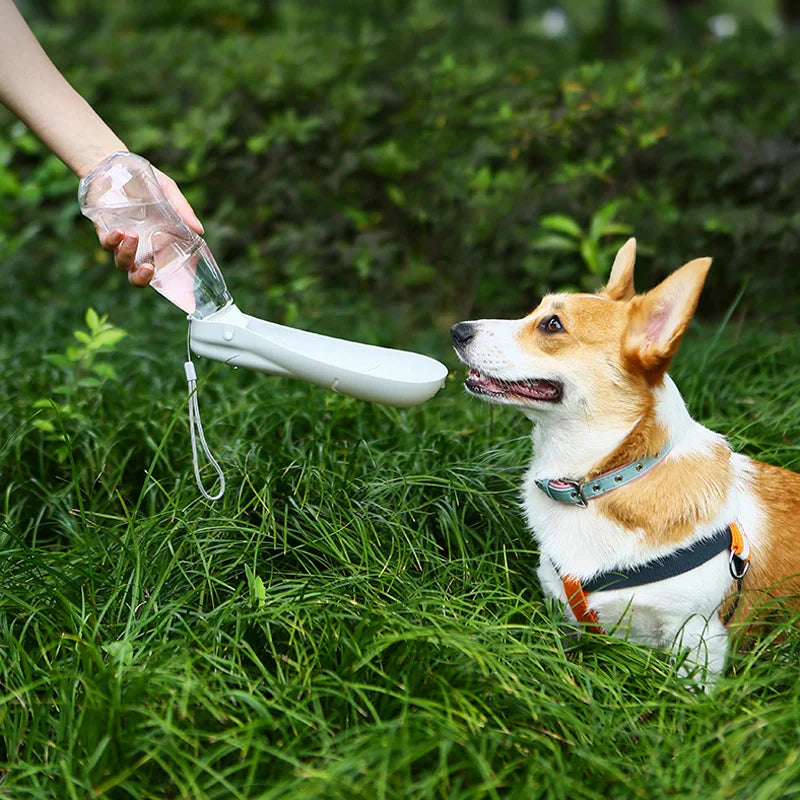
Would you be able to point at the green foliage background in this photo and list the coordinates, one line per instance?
(406, 150)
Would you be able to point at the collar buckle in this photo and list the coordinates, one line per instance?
(576, 495)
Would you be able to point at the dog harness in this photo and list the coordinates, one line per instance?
(676, 563)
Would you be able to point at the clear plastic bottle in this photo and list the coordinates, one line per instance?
(122, 192)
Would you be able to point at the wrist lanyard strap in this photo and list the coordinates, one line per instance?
(196, 432)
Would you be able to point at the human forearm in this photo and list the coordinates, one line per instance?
(34, 90)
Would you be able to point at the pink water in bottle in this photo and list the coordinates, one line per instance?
(122, 192)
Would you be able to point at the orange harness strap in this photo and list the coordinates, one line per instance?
(579, 605)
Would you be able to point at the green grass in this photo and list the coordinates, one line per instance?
(359, 616)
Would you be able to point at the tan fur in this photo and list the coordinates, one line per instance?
(657, 320)
(649, 327)
(687, 492)
(775, 570)
(647, 438)
(594, 327)
(589, 320)
(620, 282)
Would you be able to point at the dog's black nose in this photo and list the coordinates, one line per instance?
(462, 332)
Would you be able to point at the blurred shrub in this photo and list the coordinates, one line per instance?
(74, 400)
(407, 151)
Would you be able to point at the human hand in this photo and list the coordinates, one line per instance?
(123, 244)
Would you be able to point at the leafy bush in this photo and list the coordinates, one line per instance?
(84, 374)
(407, 150)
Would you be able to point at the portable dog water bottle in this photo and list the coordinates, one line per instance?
(122, 192)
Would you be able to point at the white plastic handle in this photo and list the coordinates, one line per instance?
(378, 374)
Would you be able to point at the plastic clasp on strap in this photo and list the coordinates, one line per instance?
(739, 561)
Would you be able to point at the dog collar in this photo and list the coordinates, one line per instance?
(578, 494)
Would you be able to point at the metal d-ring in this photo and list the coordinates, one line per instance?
(741, 571)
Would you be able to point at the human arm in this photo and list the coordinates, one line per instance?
(35, 91)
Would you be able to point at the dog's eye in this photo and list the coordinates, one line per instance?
(551, 325)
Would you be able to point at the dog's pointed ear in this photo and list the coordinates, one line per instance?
(658, 319)
(620, 282)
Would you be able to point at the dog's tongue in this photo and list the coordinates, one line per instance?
(534, 389)
(538, 390)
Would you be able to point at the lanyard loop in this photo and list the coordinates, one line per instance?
(196, 432)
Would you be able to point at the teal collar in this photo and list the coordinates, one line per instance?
(578, 494)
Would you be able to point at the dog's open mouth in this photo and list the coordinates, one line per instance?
(530, 389)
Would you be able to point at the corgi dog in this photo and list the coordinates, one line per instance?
(645, 521)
